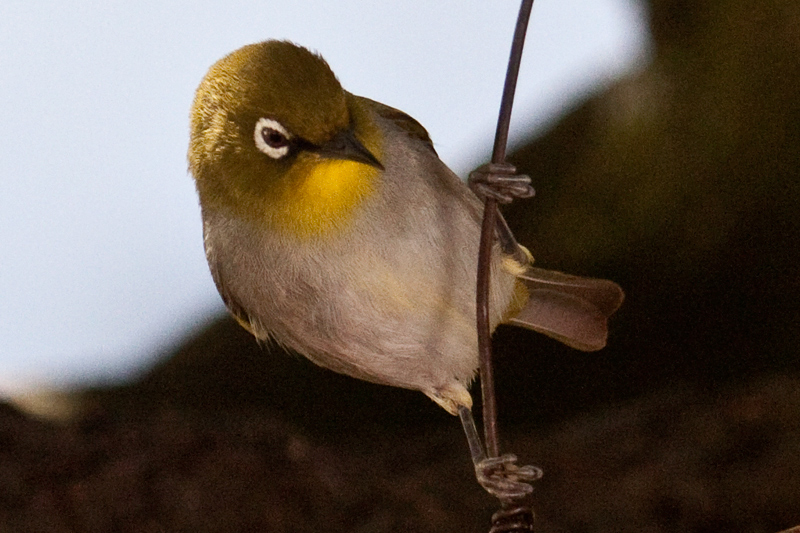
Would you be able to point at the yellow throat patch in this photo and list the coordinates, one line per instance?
(323, 195)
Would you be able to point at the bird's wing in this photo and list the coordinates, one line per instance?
(570, 309)
(403, 121)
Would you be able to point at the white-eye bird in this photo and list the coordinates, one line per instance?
(332, 227)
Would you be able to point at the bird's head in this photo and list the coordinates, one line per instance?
(275, 139)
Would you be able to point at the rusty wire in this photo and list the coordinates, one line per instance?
(512, 516)
(491, 220)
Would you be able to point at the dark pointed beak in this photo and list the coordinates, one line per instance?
(344, 145)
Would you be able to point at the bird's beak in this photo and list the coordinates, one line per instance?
(344, 145)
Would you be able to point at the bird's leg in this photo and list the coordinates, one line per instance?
(501, 182)
(500, 476)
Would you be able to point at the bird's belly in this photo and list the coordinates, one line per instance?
(408, 328)
(392, 307)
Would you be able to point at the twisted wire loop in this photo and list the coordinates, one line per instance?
(516, 519)
(501, 182)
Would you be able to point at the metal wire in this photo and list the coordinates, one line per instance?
(511, 517)
(490, 216)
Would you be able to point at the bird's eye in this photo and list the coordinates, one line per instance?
(272, 138)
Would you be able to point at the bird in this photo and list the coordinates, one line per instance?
(331, 227)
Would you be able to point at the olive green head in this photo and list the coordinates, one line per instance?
(271, 127)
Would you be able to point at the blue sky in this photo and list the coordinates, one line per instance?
(102, 263)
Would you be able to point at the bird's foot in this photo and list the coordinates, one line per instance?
(500, 182)
(502, 478)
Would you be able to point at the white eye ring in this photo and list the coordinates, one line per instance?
(272, 138)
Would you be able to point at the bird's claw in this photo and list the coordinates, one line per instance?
(502, 478)
(500, 182)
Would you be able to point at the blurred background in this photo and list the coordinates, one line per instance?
(663, 139)
(102, 262)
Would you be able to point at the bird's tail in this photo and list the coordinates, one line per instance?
(570, 309)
